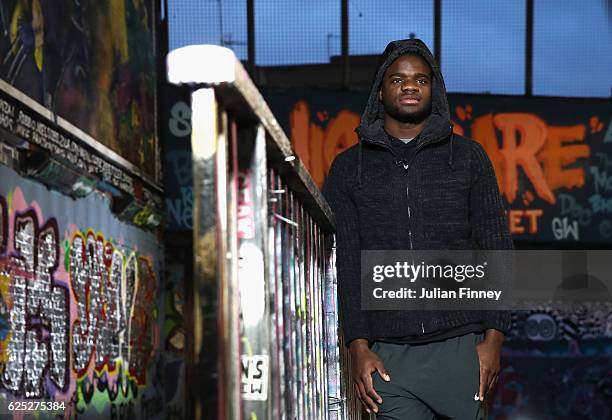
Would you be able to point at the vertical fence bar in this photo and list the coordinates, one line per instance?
(228, 285)
(335, 391)
(314, 340)
(321, 357)
(253, 277)
(275, 297)
(291, 291)
(300, 394)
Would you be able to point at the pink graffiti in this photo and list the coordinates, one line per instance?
(38, 307)
(92, 302)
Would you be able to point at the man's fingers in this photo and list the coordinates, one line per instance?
(484, 383)
(383, 372)
(493, 382)
(369, 388)
(369, 404)
(359, 396)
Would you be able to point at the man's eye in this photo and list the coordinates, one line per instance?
(422, 81)
(396, 81)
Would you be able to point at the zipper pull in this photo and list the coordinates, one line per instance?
(423, 327)
(402, 164)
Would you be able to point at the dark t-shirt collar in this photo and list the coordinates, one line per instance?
(406, 150)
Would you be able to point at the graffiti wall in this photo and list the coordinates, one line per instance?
(176, 142)
(175, 129)
(89, 62)
(552, 157)
(557, 365)
(173, 334)
(82, 307)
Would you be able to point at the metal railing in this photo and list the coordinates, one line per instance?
(263, 309)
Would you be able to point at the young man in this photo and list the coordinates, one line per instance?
(411, 184)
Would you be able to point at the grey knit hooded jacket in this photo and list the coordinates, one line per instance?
(444, 197)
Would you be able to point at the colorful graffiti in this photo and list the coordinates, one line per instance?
(92, 63)
(80, 308)
(37, 305)
(549, 155)
(173, 376)
(113, 295)
(565, 387)
(176, 142)
(541, 152)
(569, 387)
(175, 299)
(318, 147)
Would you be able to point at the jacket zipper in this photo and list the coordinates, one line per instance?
(407, 167)
(409, 224)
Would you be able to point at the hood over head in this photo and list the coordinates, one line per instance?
(438, 126)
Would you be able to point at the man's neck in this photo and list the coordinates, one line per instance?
(403, 130)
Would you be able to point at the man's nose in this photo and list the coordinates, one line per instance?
(409, 86)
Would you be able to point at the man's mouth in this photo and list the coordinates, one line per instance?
(409, 100)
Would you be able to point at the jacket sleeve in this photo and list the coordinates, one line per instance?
(348, 251)
(489, 223)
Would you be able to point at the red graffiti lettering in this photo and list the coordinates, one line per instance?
(316, 147)
(540, 151)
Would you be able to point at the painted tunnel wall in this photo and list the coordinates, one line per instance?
(84, 317)
(89, 62)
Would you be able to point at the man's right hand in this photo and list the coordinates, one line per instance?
(365, 363)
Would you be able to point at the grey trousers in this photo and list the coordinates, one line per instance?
(430, 381)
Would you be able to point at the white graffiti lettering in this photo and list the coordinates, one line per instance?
(601, 180)
(112, 300)
(563, 229)
(39, 314)
(570, 207)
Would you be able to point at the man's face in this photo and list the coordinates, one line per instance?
(406, 89)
